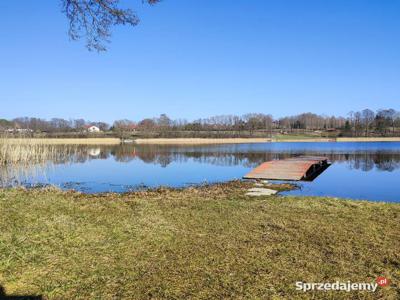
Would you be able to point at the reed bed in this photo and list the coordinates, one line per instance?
(27, 152)
(24, 158)
(62, 141)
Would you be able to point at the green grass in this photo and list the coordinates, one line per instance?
(203, 243)
(284, 137)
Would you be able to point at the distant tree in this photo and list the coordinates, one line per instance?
(253, 122)
(60, 125)
(396, 122)
(368, 117)
(164, 122)
(123, 127)
(93, 19)
(357, 123)
(347, 126)
(392, 115)
(5, 124)
(79, 124)
(146, 124)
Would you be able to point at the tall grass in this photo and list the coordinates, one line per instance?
(27, 152)
(62, 141)
(22, 158)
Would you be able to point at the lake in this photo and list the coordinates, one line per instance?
(359, 170)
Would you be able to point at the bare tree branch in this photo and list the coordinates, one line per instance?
(93, 20)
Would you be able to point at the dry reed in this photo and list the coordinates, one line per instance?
(22, 158)
(62, 141)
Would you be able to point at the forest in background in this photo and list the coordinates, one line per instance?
(384, 122)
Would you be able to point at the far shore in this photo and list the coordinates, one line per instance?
(369, 139)
(194, 141)
(65, 141)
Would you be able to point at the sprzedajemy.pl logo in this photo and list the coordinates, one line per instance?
(342, 286)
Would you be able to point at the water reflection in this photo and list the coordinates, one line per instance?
(103, 168)
(366, 160)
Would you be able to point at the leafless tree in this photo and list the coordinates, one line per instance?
(93, 20)
(368, 117)
(147, 125)
(357, 123)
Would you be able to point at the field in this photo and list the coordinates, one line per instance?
(298, 138)
(369, 139)
(210, 242)
(193, 141)
(277, 138)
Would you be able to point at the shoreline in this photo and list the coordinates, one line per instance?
(369, 139)
(65, 141)
(199, 141)
(191, 141)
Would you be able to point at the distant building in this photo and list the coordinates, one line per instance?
(19, 130)
(93, 129)
(24, 130)
(94, 152)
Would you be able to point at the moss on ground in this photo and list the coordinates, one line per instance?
(208, 242)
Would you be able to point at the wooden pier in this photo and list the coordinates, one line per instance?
(305, 168)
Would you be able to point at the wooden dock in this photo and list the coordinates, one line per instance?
(305, 168)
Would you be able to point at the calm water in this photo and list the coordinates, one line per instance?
(359, 170)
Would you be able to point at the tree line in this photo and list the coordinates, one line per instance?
(356, 123)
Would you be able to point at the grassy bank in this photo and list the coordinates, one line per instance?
(297, 137)
(194, 141)
(205, 243)
(281, 138)
(308, 138)
(369, 139)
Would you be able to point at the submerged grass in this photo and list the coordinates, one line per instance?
(208, 242)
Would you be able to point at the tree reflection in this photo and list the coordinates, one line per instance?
(220, 155)
(234, 155)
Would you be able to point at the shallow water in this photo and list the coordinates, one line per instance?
(358, 171)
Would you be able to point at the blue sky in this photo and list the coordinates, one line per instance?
(193, 59)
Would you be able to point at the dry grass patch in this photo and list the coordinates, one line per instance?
(369, 139)
(204, 243)
(61, 141)
(196, 141)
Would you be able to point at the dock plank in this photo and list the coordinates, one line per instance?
(295, 168)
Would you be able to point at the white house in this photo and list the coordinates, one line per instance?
(93, 129)
(94, 152)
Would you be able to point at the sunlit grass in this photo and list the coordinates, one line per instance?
(201, 141)
(61, 141)
(202, 243)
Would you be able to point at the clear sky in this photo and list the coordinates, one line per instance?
(198, 58)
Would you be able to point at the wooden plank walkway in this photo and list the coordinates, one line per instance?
(296, 168)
